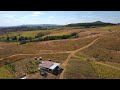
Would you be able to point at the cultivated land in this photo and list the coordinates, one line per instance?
(95, 54)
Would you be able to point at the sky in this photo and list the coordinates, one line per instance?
(13, 18)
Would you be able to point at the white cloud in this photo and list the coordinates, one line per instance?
(51, 17)
(8, 16)
(36, 13)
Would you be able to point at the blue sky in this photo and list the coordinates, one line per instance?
(12, 18)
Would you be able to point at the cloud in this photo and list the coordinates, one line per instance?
(51, 17)
(36, 13)
(8, 16)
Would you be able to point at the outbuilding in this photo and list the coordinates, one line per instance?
(51, 67)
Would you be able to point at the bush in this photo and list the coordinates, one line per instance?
(23, 42)
(65, 36)
(74, 34)
(11, 67)
(31, 70)
(39, 35)
(14, 38)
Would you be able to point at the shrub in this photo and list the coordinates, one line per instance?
(39, 35)
(74, 34)
(11, 67)
(22, 42)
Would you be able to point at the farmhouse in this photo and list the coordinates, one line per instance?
(51, 67)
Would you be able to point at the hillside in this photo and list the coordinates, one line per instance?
(93, 54)
(107, 48)
(90, 24)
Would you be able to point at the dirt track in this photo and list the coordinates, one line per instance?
(73, 55)
(35, 54)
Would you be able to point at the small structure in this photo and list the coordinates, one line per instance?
(51, 67)
(23, 77)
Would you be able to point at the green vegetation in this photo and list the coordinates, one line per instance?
(38, 37)
(5, 74)
(10, 67)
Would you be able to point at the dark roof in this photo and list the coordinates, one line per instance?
(46, 64)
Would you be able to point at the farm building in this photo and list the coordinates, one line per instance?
(51, 67)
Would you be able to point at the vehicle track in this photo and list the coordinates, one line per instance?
(73, 55)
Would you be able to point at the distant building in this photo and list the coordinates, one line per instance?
(51, 67)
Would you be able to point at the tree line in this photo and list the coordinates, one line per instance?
(38, 37)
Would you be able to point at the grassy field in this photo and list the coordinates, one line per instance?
(33, 33)
(105, 72)
(113, 28)
(36, 47)
(113, 64)
(79, 69)
(64, 45)
(5, 74)
(106, 49)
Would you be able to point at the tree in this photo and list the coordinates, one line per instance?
(8, 38)
(21, 38)
(14, 38)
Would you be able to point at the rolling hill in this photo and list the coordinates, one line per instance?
(94, 54)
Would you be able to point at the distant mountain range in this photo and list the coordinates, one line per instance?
(29, 27)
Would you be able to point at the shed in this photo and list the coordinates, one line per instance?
(50, 66)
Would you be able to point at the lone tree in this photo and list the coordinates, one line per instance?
(8, 38)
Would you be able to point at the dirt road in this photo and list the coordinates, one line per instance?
(73, 55)
(35, 54)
